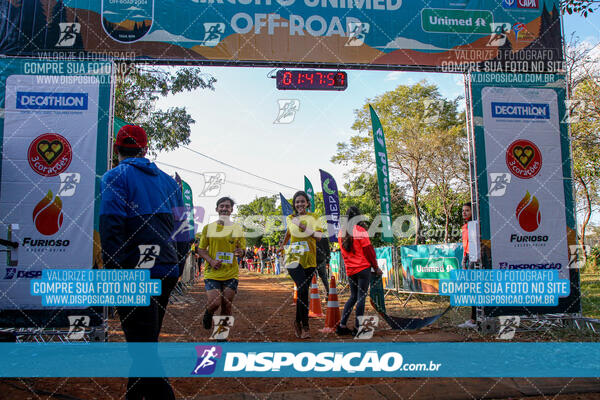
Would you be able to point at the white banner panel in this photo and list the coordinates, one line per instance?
(48, 177)
(525, 175)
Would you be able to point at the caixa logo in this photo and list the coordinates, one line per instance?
(528, 4)
(12, 273)
(52, 101)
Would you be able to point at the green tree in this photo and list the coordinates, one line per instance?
(411, 116)
(363, 192)
(585, 133)
(259, 223)
(138, 88)
(448, 173)
(583, 7)
(583, 110)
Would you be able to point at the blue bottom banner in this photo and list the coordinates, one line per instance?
(300, 359)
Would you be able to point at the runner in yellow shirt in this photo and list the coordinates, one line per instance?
(221, 243)
(303, 230)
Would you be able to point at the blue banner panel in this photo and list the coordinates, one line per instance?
(299, 360)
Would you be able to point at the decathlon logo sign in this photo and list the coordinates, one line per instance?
(521, 110)
(352, 362)
(52, 101)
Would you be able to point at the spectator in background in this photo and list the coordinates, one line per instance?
(467, 214)
(249, 258)
(262, 256)
(323, 257)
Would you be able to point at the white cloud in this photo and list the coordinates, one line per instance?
(140, 16)
(132, 8)
(163, 36)
(406, 43)
(110, 12)
(394, 75)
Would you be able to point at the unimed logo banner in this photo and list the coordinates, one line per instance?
(51, 137)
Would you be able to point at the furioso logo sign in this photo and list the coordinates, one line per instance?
(524, 159)
(48, 215)
(50, 154)
(528, 213)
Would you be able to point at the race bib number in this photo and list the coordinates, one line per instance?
(225, 257)
(299, 247)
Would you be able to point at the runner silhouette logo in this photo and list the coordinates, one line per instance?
(367, 325)
(68, 33)
(222, 325)
(148, 255)
(212, 33)
(68, 184)
(77, 325)
(207, 359)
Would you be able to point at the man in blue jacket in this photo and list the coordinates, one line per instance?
(140, 210)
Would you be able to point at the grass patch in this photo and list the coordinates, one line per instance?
(590, 296)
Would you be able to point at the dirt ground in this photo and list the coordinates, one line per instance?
(264, 312)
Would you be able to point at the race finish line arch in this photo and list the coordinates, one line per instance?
(514, 36)
(491, 35)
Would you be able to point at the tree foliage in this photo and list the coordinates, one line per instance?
(413, 118)
(584, 116)
(138, 89)
(582, 7)
(257, 219)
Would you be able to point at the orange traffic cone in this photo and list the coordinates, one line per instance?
(333, 309)
(295, 294)
(314, 310)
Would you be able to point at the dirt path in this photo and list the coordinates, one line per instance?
(264, 312)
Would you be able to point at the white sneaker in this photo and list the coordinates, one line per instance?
(468, 324)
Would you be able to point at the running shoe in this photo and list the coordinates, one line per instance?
(207, 320)
(305, 334)
(297, 329)
(468, 324)
(343, 330)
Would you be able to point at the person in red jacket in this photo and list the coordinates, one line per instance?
(359, 257)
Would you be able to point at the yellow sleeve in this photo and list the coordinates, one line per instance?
(204, 238)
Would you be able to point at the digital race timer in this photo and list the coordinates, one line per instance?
(311, 80)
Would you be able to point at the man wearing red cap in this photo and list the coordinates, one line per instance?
(140, 210)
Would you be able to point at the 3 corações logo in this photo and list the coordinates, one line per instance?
(523, 159)
(49, 154)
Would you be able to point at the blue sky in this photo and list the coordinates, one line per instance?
(234, 124)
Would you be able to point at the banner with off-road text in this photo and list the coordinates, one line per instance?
(54, 135)
(490, 35)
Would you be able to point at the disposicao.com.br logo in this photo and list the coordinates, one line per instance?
(305, 362)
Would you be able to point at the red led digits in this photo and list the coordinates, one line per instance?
(311, 80)
(330, 80)
(287, 78)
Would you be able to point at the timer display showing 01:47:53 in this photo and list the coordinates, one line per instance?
(311, 80)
